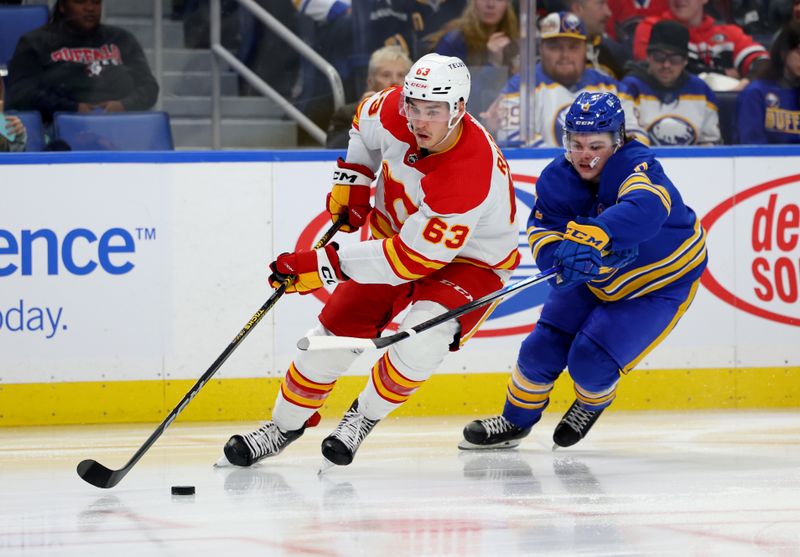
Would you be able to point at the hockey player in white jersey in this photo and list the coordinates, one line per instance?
(560, 76)
(443, 233)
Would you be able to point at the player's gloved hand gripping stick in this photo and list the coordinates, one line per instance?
(351, 343)
(98, 475)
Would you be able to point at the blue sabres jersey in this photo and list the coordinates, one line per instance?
(639, 205)
(768, 113)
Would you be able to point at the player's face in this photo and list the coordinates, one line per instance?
(564, 59)
(792, 63)
(428, 120)
(589, 152)
(491, 12)
(388, 74)
(689, 12)
(665, 66)
(82, 14)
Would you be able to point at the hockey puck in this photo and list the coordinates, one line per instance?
(183, 490)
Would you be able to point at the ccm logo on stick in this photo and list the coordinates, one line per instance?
(49, 248)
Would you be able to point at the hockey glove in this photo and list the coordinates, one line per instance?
(349, 197)
(580, 252)
(618, 259)
(307, 270)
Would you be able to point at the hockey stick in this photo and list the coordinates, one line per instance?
(351, 343)
(100, 476)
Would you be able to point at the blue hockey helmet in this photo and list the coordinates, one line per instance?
(596, 113)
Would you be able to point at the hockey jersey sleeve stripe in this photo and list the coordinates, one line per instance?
(357, 115)
(644, 279)
(640, 181)
(756, 49)
(380, 226)
(540, 237)
(406, 263)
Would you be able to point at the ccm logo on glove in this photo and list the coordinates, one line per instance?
(349, 197)
(307, 270)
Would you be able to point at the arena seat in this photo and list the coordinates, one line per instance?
(119, 131)
(726, 103)
(34, 129)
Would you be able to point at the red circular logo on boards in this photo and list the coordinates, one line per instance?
(774, 237)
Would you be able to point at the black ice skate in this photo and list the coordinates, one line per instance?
(340, 446)
(492, 433)
(575, 424)
(268, 440)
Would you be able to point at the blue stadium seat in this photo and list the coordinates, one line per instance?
(32, 121)
(726, 103)
(119, 131)
(15, 21)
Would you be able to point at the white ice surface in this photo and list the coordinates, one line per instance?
(712, 483)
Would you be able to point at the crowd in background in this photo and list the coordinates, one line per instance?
(672, 62)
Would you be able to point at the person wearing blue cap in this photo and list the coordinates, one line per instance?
(630, 253)
(559, 77)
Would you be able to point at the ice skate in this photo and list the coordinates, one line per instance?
(492, 433)
(340, 446)
(575, 424)
(268, 440)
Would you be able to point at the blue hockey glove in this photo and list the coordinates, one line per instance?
(580, 252)
(618, 259)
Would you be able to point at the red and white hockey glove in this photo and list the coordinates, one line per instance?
(310, 269)
(349, 197)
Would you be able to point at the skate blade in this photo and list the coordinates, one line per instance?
(223, 463)
(465, 445)
(326, 465)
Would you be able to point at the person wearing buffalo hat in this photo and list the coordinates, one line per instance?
(561, 76)
(673, 106)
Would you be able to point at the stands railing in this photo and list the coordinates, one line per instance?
(219, 52)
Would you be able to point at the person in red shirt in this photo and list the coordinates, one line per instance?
(713, 47)
(626, 14)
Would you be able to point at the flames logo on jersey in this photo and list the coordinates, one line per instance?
(672, 130)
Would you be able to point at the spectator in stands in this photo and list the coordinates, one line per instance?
(486, 37)
(713, 48)
(560, 76)
(74, 63)
(12, 132)
(626, 15)
(768, 109)
(673, 106)
(602, 53)
(388, 66)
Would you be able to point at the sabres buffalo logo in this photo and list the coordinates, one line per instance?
(672, 130)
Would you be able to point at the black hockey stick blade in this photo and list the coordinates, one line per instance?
(353, 343)
(98, 475)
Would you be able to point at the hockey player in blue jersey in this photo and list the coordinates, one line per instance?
(631, 254)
